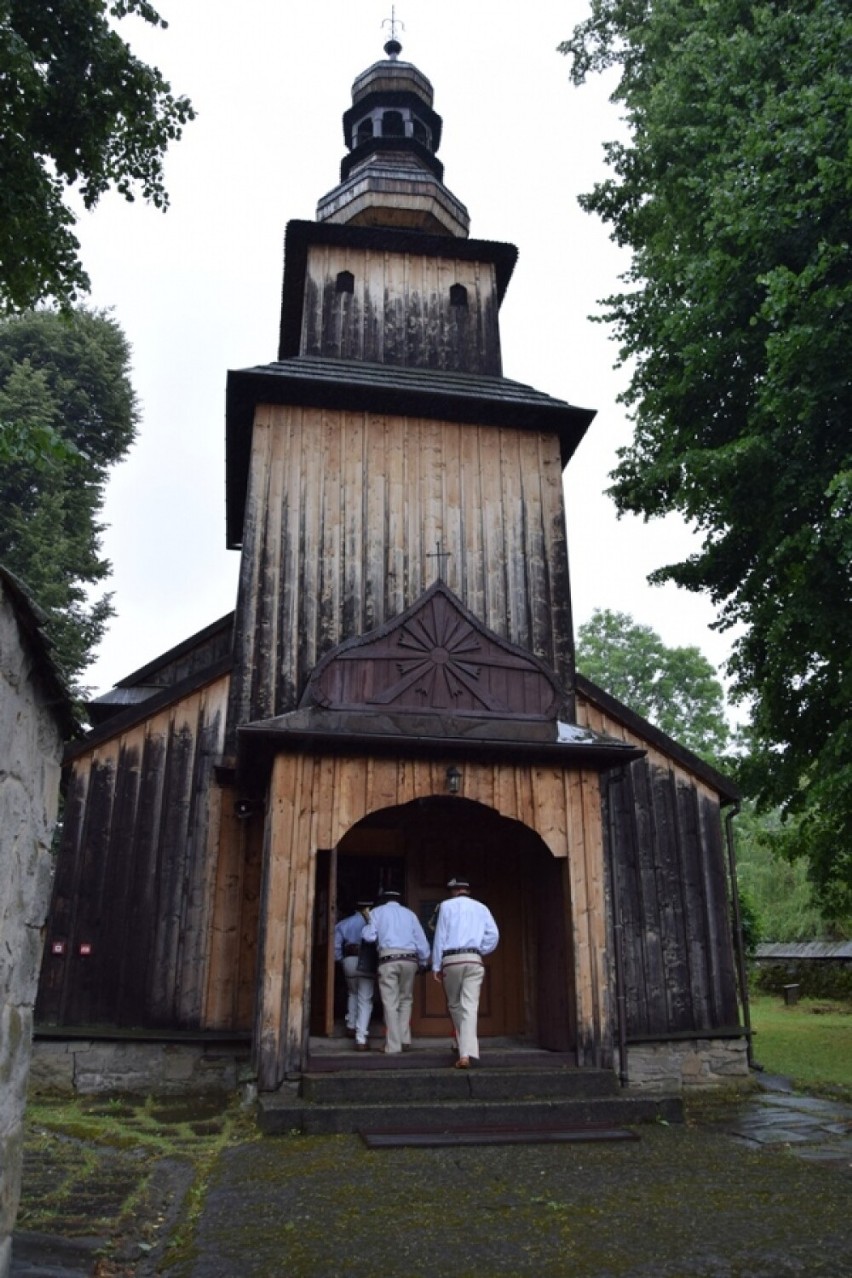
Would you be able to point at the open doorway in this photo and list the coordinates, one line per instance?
(415, 849)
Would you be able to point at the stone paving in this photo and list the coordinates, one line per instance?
(758, 1189)
(777, 1117)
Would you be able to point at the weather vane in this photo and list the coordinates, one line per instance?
(393, 22)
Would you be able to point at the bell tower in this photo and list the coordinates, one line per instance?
(385, 442)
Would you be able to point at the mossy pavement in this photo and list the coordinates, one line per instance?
(748, 1187)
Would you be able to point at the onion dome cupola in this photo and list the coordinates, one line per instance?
(392, 176)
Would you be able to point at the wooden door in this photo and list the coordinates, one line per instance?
(322, 958)
(358, 868)
(444, 849)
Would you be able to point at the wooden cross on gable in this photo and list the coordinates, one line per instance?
(440, 555)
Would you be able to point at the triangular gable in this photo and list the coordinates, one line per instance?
(436, 657)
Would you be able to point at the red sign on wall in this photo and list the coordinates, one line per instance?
(85, 948)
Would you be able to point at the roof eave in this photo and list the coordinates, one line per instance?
(728, 792)
(382, 734)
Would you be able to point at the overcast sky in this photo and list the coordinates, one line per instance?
(197, 290)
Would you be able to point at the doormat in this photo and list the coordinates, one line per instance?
(461, 1136)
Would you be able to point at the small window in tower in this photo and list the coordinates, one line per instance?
(421, 133)
(345, 282)
(365, 131)
(393, 125)
(458, 295)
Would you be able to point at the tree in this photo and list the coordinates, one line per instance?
(674, 688)
(732, 191)
(778, 889)
(76, 109)
(67, 414)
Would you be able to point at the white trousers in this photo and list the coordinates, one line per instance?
(462, 985)
(359, 998)
(396, 986)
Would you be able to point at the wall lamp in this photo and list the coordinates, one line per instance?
(454, 778)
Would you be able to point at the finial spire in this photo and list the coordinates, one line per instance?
(393, 48)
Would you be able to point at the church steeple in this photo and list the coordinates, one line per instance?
(391, 176)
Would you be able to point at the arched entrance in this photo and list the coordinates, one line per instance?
(415, 848)
(552, 816)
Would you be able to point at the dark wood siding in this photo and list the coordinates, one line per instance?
(663, 830)
(665, 840)
(135, 874)
(400, 311)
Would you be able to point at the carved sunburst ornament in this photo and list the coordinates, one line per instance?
(440, 669)
(435, 657)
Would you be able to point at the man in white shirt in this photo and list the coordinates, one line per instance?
(402, 949)
(359, 988)
(464, 933)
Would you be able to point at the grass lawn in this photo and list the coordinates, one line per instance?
(810, 1042)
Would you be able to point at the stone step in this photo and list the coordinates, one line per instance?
(408, 1087)
(284, 1113)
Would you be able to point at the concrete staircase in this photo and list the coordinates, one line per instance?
(529, 1095)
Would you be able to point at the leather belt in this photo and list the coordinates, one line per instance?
(467, 949)
(398, 958)
(351, 949)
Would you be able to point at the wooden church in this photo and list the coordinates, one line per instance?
(394, 698)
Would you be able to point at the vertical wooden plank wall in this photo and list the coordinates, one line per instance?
(663, 825)
(399, 312)
(231, 971)
(313, 802)
(136, 871)
(54, 989)
(343, 512)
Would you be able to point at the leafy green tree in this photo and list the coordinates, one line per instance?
(67, 414)
(76, 109)
(778, 889)
(751, 923)
(732, 191)
(675, 688)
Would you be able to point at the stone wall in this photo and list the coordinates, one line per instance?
(31, 736)
(678, 1065)
(77, 1067)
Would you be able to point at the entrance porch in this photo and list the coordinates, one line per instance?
(528, 836)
